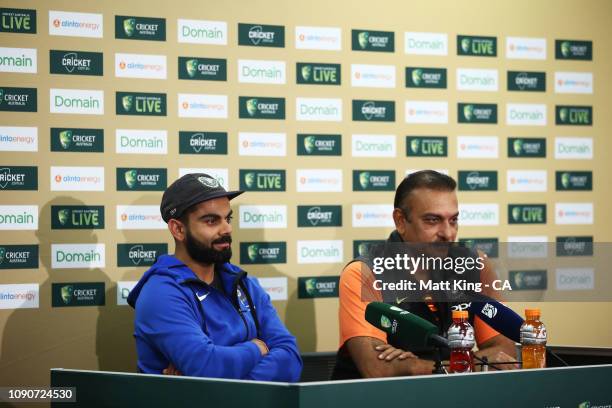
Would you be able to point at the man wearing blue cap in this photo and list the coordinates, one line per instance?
(196, 313)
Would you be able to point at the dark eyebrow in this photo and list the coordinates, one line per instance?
(215, 216)
(438, 215)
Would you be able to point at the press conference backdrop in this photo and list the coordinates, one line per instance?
(318, 109)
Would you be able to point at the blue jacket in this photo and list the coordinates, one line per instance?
(203, 332)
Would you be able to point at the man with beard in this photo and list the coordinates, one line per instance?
(426, 212)
(196, 313)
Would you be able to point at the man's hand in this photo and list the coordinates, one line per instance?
(171, 370)
(388, 353)
(263, 348)
(494, 355)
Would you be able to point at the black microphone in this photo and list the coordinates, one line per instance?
(412, 331)
(497, 315)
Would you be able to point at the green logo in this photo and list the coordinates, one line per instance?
(142, 179)
(373, 180)
(249, 179)
(489, 246)
(192, 67)
(477, 113)
(528, 280)
(574, 180)
(251, 106)
(140, 104)
(575, 246)
(565, 48)
(311, 286)
(477, 46)
(417, 76)
(362, 249)
(573, 50)
(468, 112)
(319, 145)
(63, 216)
(77, 140)
(127, 101)
(527, 214)
(309, 144)
(130, 178)
(262, 180)
(77, 294)
(2, 253)
(364, 180)
(574, 115)
(18, 21)
(426, 146)
(66, 293)
(517, 146)
(65, 138)
(253, 250)
(385, 322)
(252, 253)
(368, 40)
(129, 26)
(140, 28)
(306, 71)
(202, 69)
(1, 96)
(363, 39)
(77, 217)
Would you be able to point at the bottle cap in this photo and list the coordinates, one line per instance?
(532, 313)
(460, 314)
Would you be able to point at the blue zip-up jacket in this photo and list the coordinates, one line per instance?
(203, 332)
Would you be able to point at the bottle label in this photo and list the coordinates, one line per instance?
(461, 336)
(532, 335)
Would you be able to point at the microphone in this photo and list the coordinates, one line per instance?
(412, 331)
(497, 315)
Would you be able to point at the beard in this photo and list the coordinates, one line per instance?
(207, 255)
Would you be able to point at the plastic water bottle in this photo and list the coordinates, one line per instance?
(533, 340)
(461, 341)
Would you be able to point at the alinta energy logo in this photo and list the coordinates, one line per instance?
(477, 113)
(18, 21)
(574, 115)
(18, 99)
(574, 50)
(473, 180)
(140, 28)
(526, 81)
(19, 178)
(420, 77)
(202, 142)
(526, 213)
(141, 179)
(477, 46)
(366, 40)
(374, 111)
(315, 73)
(263, 253)
(76, 63)
(261, 108)
(426, 146)
(76, 24)
(262, 180)
(373, 180)
(526, 147)
(260, 35)
(203, 69)
(140, 104)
